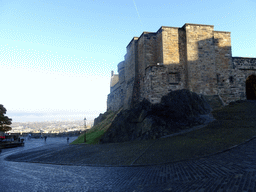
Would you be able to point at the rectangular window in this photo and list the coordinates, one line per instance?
(173, 78)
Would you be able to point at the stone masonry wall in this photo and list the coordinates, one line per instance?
(243, 67)
(146, 57)
(201, 59)
(114, 82)
(223, 62)
(244, 63)
(193, 57)
(162, 79)
(170, 41)
(183, 57)
(121, 71)
(176, 77)
(156, 83)
(150, 49)
(141, 59)
(235, 83)
(159, 46)
(114, 101)
(141, 55)
(130, 60)
(130, 63)
(182, 47)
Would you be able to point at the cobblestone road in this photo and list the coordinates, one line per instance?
(233, 170)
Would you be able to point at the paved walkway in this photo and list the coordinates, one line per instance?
(136, 153)
(233, 170)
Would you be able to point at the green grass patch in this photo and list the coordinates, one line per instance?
(79, 140)
(91, 138)
(94, 134)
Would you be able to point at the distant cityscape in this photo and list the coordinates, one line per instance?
(50, 126)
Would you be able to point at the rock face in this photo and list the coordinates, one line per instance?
(100, 118)
(177, 111)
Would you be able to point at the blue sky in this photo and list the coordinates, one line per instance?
(56, 56)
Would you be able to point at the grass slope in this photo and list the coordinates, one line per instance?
(94, 134)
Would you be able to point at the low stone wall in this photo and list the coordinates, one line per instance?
(38, 135)
(115, 99)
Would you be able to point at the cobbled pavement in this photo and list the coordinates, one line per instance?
(232, 170)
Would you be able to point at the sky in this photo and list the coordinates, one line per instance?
(56, 56)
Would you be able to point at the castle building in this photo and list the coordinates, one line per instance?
(193, 57)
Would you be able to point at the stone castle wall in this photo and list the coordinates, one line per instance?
(201, 59)
(161, 79)
(193, 57)
(242, 69)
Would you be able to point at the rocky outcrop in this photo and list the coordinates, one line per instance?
(101, 118)
(177, 111)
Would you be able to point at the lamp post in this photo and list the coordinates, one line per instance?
(84, 123)
(85, 129)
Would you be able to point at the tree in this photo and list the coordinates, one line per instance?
(4, 120)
